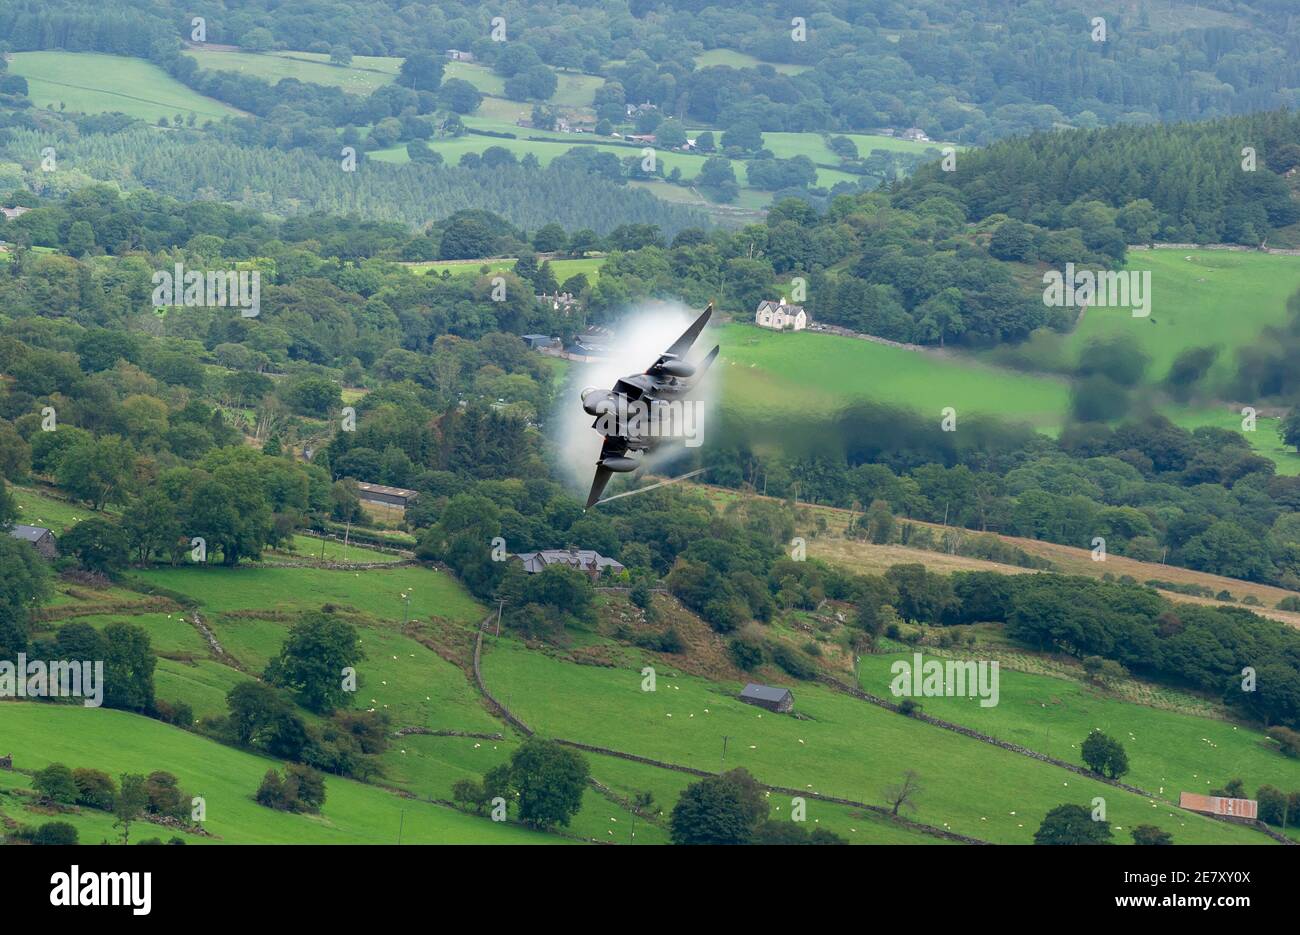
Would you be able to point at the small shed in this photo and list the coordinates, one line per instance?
(40, 538)
(766, 696)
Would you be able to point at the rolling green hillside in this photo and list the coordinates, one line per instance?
(764, 371)
(375, 591)
(842, 747)
(1216, 298)
(91, 83)
(365, 74)
(116, 742)
(1200, 298)
(1168, 752)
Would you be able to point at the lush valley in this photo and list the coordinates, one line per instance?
(297, 307)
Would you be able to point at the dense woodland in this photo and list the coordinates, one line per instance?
(1189, 183)
(971, 72)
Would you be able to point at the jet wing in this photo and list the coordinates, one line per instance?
(683, 344)
(613, 447)
(603, 474)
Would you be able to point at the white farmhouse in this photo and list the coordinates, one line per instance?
(779, 316)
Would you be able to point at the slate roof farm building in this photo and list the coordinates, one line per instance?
(392, 496)
(1222, 806)
(588, 561)
(766, 696)
(40, 538)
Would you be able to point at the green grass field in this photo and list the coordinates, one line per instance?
(169, 633)
(563, 269)
(844, 747)
(90, 83)
(1219, 298)
(375, 591)
(1169, 752)
(314, 549)
(990, 794)
(202, 684)
(38, 509)
(1264, 440)
(1216, 298)
(764, 371)
(364, 75)
(117, 742)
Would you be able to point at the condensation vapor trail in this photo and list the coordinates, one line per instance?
(662, 483)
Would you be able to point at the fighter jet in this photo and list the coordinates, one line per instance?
(669, 379)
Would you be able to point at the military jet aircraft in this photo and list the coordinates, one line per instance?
(628, 415)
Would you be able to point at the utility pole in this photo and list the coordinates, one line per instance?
(723, 767)
(500, 607)
(347, 532)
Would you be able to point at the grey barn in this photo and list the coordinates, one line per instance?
(391, 496)
(766, 696)
(40, 538)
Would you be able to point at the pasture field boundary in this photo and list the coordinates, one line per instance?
(693, 771)
(837, 685)
(1230, 247)
(359, 539)
(447, 732)
(339, 566)
(218, 651)
(160, 604)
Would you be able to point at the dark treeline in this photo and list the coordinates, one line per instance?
(904, 270)
(1187, 182)
(1206, 648)
(1151, 490)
